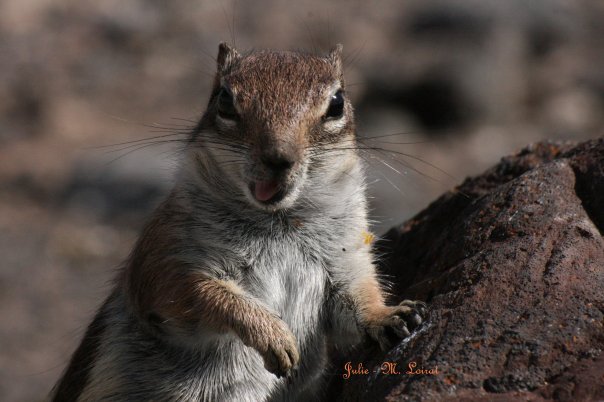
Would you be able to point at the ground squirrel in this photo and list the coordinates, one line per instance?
(258, 259)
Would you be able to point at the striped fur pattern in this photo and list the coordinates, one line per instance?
(226, 298)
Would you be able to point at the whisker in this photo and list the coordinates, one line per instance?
(130, 146)
(194, 122)
(231, 163)
(219, 148)
(417, 158)
(403, 154)
(133, 142)
(387, 179)
(182, 127)
(128, 153)
(353, 57)
(388, 135)
(408, 166)
(397, 143)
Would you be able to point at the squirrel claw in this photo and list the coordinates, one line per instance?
(397, 322)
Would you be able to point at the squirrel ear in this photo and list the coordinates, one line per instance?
(335, 57)
(226, 56)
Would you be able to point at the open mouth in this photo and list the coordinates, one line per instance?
(268, 191)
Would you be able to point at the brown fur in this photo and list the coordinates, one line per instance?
(182, 289)
(378, 318)
(162, 291)
(267, 123)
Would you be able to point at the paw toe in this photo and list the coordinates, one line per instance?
(400, 329)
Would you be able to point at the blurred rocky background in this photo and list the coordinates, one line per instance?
(442, 89)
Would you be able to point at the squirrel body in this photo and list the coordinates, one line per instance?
(258, 260)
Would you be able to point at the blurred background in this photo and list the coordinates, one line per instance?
(442, 90)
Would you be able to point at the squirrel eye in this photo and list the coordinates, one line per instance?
(336, 106)
(226, 108)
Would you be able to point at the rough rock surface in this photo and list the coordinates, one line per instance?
(512, 265)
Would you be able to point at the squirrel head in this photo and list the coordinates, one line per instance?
(276, 120)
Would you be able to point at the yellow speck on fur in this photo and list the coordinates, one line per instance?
(368, 237)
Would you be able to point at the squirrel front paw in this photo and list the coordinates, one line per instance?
(281, 356)
(392, 323)
(277, 345)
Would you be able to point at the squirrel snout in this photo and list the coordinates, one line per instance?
(273, 175)
(277, 164)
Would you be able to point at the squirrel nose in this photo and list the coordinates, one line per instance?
(277, 163)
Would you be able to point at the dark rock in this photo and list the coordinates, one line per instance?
(512, 264)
